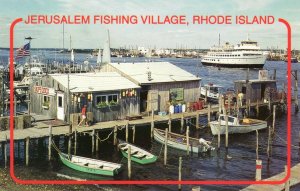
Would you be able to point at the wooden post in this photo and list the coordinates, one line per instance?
(181, 122)
(129, 162)
(269, 142)
(97, 142)
(274, 74)
(179, 172)
(127, 124)
(220, 104)
(187, 140)
(166, 146)
(115, 135)
(27, 150)
(93, 142)
(296, 92)
(229, 105)
(15, 105)
(219, 134)
(257, 109)
(258, 170)
(249, 107)
(226, 135)
(256, 144)
(197, 119)
(205, 99)
(50, 143)
(274, 118)
(70, 140)
(208, 114)
(152, 123)
(5, 151)
(287, 183)
(133, 134)
(75, 142)
(170, 123)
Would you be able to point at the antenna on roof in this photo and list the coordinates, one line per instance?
(219, 39)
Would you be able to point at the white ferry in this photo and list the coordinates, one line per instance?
(245, 55)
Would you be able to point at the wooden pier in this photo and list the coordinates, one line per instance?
(294, 179)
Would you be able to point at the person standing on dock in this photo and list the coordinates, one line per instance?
(83, 116)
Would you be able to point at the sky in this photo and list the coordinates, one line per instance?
(150, 36)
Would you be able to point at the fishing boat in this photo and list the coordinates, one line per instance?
(178, 141)
(211, 91)
(89, 165)
(235, 125)
(138, 155)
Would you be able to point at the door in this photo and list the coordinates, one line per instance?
(60, 106)
(152, 100)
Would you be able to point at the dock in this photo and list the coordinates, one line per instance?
(294, 179)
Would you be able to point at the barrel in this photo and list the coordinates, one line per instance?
(171, 109)
(180, 109)
(176, 110)
(183, 107)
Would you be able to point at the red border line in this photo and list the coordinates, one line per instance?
(152, 182)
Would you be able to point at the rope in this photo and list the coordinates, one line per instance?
(286, 142)
(106, 137)
(55, 147)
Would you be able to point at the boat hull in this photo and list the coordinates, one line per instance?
(65, 161)
(194, 149)
(140, 161)
(224, 65)
(234, 129)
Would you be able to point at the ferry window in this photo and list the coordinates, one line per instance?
(113, 97)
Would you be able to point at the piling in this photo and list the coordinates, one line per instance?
(220, 104)
(269, 142)
(129, 162)
(127, 124)
(219, 134)
(97, 142)
(208, 114)
(296, 92)
(197, 120)
(15, 105)
(181, 122)
(152, 123)
(187, 140)
(115, 135)
(205, 99)
(256, 144)
(274, 74)
(170, 123)
(27, 150)
(226, 135)
(5, 151)
(229, 105)
(179, 172)
(258, 170)
(133, 134)
(75, 142)
(50, 142)
(70, 140)
(257, 109)
(287, 183)
(274, 117)
(93, 142)
(249, 107)
(166, 147)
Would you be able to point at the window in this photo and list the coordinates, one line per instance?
(46, 101)
(60, 101)
(107, 98)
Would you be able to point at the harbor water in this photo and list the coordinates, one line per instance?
(238, 163)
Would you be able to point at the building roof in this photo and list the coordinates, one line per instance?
(93, 82)
(160, 72)
(255, 81)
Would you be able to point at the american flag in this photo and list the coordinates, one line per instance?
(23, 51)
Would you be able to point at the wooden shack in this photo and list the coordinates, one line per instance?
(261, 89)
(161, 83)
(109, 96)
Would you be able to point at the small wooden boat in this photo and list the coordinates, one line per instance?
(178, 141)
(212, 91)
(137, 154)
(236, 126)
(89, 165)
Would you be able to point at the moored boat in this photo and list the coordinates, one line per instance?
(235, 125)
(89, 165)
(178, 141)
(211, 91)
(138, 155)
